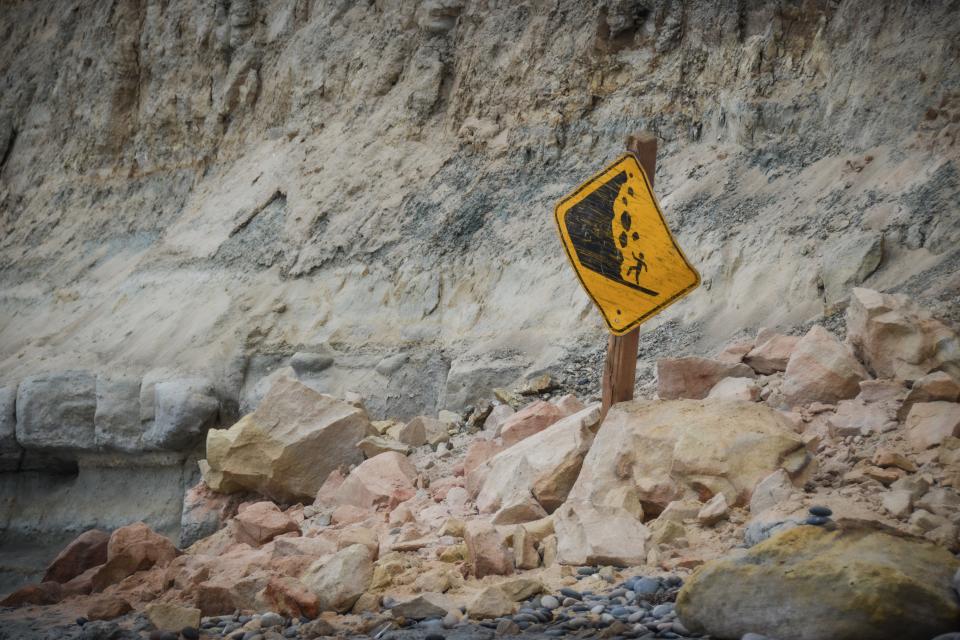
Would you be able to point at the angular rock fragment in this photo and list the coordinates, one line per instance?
(288, 446)
(692, 377)
(384, 480)
(86, 551)
(821, 369)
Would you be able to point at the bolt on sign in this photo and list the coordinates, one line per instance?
(621, 248)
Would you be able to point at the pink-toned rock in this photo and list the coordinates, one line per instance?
(133, 548)
(204, 512)
(261, 522)
(107, 608)
(930, 423)
(86, 551)
(326, 495)
(349, 514)
(569, 404)
(896, 339)
(821, 369)
(735, 389)
(383, 480)
(773, 354)
(81, 585)
(933, 387)
(486, 550)
(882, 391)
(479, 452)
(854, 418)
(735, 352)
(290, 597)
(497, 415)
(286, 546)
(693, 377)
(36, 594)
(532, 419)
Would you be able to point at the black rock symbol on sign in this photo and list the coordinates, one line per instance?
(596, 231)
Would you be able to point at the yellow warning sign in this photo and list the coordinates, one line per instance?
(621, 248)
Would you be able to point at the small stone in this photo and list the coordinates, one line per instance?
(549, 602)
(597, 610)
(190, 633)
(646, 586)
(819, 510)
(662, 610)
(817, 521)
(571, 593)
(163, 635)
(82, 621)
(271, 619)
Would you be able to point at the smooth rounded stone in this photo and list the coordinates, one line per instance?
(597, 610)
(637, 616)
(619, 612)
(608, 618)
(291, 632)
(645, 586)
(253, 635)
(189, 633)
(586, 571)
(231, 627)
(556, 633)
(163, 635)
(630, 596)
(662, 610)
(272, 619)
(571, 593)
(244, 619)
(544, 615)
(525, 617)
(549, 602)
(674, 581)
(817, 521)
(617, 593)
(575, 624)
(821, 511)
(569, 602)
(677, 627)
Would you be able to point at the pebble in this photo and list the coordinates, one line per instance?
(817, 521)
(189, 633)
(271, 619)
(819, 510)
(549, 602)
(292, 632)
(636, 617)
(619, 612)
(556, 633)
(571, 593)
(630, 596)
(163, 635)
(586, 571)
(597, 610)
(645, 586)
(661, 610)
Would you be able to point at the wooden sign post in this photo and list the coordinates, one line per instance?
(620, 369)
(623, 253)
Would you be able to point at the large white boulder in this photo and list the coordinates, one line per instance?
(287, 447)
(540, 468)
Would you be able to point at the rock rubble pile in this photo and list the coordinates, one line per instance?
(798, 487)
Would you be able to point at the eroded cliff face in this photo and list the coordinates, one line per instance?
(192, 193)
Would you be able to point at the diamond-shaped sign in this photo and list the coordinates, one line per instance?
(621, 248)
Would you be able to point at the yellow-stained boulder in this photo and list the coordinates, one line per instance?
(811, 583)
(287, 447)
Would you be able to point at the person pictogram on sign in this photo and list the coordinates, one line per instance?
(641, 265)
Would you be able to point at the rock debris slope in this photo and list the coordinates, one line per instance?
(836, 517)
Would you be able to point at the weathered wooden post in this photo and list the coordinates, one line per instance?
(620, 369)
